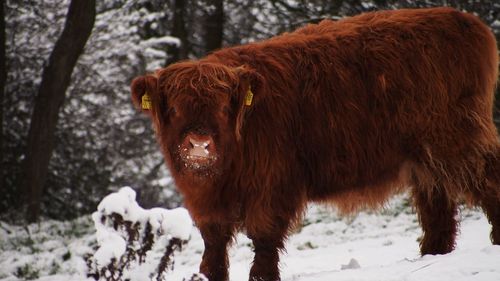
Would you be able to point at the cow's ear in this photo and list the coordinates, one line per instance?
(251, 83)
(144, 90)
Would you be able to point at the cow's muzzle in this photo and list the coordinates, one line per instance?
(198, 151)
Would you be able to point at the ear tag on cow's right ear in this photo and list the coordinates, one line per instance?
(249, 97)
(146, 101)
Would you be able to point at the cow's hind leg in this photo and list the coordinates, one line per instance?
(436, 212)
(487, 195)
(491, 206)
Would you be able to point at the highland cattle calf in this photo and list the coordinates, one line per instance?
(345, 113)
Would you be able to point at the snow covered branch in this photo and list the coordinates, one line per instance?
(134, 243)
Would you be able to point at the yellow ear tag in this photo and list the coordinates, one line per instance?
(249, 97)
(146, 101)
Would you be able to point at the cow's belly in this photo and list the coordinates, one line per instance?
(365, 188)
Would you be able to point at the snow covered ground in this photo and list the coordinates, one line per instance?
(371, 246)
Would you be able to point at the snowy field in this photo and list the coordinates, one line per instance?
(371, 246)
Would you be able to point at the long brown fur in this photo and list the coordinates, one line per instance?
(346, 112)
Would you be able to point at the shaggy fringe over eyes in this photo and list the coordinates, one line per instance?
(198, 77)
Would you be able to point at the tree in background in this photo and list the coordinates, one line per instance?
(3, 75)
(178, 52)
(56, 78)
(214, 25)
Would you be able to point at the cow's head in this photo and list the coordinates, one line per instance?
(198, 109)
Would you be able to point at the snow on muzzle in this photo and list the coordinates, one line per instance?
(198, 151)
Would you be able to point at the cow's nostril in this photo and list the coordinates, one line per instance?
(202, 144)
(206, 144)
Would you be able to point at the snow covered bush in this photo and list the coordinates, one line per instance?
(135, 243)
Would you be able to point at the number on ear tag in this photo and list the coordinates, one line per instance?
(249, 97)
(146, 101)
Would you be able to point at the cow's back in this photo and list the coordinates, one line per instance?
(399, 87)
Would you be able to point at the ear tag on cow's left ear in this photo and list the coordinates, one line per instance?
(146, 101)
(249, 97)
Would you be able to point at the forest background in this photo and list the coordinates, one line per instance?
(69, 133)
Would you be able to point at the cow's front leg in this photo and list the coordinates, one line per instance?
(265, 263)
(217, 238)
(267, 247)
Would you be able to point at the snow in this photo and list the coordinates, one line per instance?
(371, 246)
(383, 244)
(168, 40)
(112, 246)
(174, 223)
(353, 264)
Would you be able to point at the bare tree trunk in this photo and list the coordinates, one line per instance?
(214, 25)
(181, 52)
(56, 78)
(3, 77)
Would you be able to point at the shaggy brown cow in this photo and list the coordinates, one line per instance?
(346, 112)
